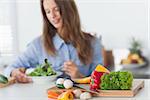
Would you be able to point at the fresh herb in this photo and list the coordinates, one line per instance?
(43, 70)
(61, 86)
(135, 46)
(121, 80)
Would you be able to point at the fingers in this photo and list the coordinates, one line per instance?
(68, 63)
(70, 68)
(67, 68)
(22, 69)
(20, 76)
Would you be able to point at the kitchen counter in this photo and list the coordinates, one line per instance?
(138, 73)
(34, 91)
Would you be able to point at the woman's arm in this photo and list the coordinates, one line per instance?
(28, 58)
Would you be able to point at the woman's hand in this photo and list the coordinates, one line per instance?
(20, 76)
(71, 69)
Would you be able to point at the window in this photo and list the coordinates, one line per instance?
(6, 32)
(6, 41)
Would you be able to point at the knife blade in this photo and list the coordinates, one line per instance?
(86, 88)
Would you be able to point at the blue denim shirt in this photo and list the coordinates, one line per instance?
(35, 54)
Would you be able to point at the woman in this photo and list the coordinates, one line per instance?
(63, 43)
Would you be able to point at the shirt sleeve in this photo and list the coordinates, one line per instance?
(97, 55)
(29, 58)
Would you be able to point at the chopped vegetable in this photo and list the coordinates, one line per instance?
(77, 93)
(121, 80)
(85, 96)
(61, 86)
(96, 77)
(68, 84)
(66, 96)
(3, 79)
(64, 83)
(60, 81)
(85, 80)
(53, 94)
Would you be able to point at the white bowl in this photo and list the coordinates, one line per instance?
(44, 79)
(131, 66)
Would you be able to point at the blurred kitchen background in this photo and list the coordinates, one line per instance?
(114, 22)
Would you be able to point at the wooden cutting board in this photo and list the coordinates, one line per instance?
(10, 81)
(136, 87)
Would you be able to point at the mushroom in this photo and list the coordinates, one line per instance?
(60, 81)
(85, 96)
(77, 93)
(68, 84)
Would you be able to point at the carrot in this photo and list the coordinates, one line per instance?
(52, 94)
(52, 99)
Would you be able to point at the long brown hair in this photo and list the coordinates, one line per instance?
(70, 32)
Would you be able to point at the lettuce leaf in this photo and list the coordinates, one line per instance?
(121, 80)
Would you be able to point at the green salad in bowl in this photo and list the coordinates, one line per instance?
(42, 73)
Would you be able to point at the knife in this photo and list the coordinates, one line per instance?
(86, 88)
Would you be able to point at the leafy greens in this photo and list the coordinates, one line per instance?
(43, 70)
(121, 80)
